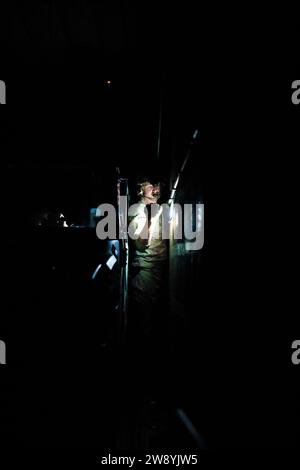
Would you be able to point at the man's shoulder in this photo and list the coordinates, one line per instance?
(138, 209)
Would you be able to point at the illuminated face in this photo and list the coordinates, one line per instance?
(151, 192)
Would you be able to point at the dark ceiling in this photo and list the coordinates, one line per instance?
(62, 53)
(68, 127)
(78, 31)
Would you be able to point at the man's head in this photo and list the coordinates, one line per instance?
(148, 192)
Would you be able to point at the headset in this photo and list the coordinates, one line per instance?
(140, 185)
(140, 190)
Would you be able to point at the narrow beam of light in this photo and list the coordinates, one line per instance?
(200, 441)
(96, 271)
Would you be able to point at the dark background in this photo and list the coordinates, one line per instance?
(65, 130)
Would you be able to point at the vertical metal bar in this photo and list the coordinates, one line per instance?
(159, 122)
(122, 189)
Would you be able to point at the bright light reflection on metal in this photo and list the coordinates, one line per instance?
(111, 262)
(96, 271)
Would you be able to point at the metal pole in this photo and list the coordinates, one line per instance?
(122, 189)
(174, 187)
(159, 123)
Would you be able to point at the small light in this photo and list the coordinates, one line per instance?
(111, 262)
(108, 82)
